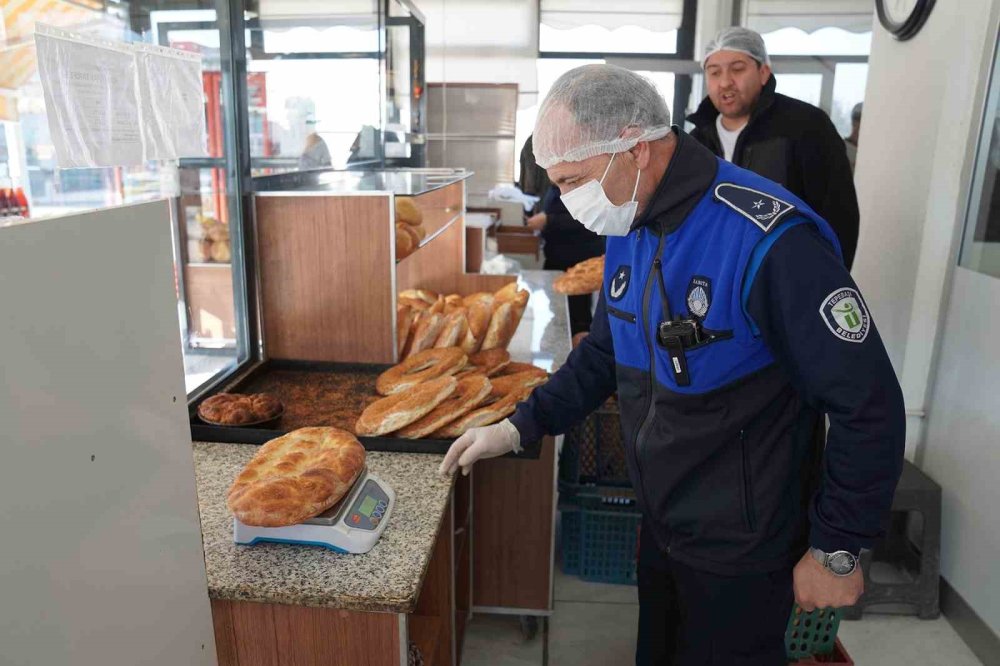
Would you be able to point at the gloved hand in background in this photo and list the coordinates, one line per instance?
(488, 442)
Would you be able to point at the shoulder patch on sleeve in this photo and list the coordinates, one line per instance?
(761, 208)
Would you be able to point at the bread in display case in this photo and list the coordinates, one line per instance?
(329, 270)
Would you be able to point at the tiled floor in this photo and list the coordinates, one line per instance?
(595, 624)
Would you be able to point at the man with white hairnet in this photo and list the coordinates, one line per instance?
(789, 141)
(728, 324)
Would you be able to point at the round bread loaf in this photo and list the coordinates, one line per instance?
(420, 367)
(403, 408)
(407, 211)
(491, 361)
(469, 393)
(234, 409)
(514, 368)
(516, 383)
(404, 243)
(296, 476)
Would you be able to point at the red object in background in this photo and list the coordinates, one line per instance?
(214, 127)
(22, 202)
(5, 206)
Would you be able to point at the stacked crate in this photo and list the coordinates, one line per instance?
(600, 521)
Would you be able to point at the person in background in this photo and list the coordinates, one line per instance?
(566, 242)
(315, 154)
(788, 141)
(852, 140)
(728, 324)
(533, 180)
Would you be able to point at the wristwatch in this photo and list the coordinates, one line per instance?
(839, 563)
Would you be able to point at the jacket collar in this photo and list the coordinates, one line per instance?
(691, 171)
(706, 113)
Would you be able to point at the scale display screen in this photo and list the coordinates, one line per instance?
(367, 506)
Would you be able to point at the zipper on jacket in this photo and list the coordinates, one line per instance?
(748, 508)
(651, 405)
(621, 314)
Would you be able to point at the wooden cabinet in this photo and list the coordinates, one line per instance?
(513, 522)
(329, 276)
(256, 634)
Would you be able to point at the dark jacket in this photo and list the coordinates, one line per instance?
(720, 430)
(567, 242)
(534, 179)
(796, 145)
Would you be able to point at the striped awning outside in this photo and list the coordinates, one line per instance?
(17, 48)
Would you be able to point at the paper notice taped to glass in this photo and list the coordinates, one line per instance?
(172, 102)
(117, 104)
(90, 99)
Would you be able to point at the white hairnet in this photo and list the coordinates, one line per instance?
(741, 40)
(594, 110)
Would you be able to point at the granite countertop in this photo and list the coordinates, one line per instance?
(387, 578)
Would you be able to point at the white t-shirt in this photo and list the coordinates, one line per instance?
(728, 138)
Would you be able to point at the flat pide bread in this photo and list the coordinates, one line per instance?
(296, 476)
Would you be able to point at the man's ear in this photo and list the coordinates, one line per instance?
(641, 154)
(765, 74)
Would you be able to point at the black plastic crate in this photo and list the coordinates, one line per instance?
(593, 452)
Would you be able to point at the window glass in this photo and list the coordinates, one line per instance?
(981, 243)
(596, 39)
(205, 209)
(593, 26)
(848, 89)
(806, 87)
(808, 27)
(825, 41)
(302, 60)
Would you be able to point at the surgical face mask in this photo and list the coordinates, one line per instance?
(591, 207)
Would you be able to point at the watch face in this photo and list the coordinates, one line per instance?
(898, 11)
(842, 563)
(903, 18)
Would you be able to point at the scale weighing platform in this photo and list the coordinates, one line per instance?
(353, 525)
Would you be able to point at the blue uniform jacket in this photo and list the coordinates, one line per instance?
(723, 427)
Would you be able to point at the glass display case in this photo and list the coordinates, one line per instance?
(405, 101)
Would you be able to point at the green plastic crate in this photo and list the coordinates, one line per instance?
(599, 536)
(810, 634)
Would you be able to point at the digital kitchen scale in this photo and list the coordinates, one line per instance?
(353, 525)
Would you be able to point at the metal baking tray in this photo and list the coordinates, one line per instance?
(313, 394)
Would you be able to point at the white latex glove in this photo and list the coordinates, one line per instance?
(488, 442)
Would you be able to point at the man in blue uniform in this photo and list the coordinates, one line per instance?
(728, 325)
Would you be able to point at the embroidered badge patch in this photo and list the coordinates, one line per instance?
(760, 208)
(846, 315)
(619, 283)
(699, 296)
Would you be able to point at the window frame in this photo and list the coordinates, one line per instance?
(682, 63)
(974, 198)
